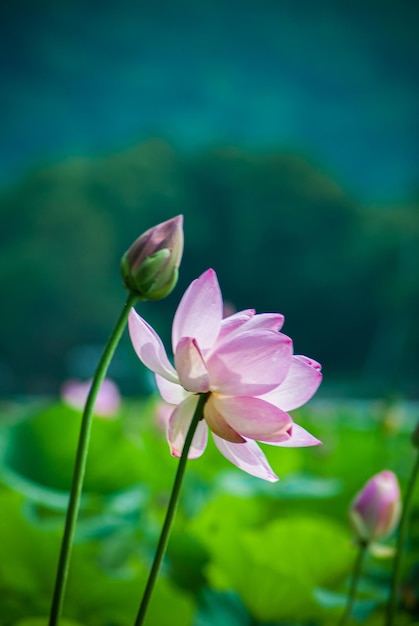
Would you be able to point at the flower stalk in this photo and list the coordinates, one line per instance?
(80, 462)
(171, 510)
(397, 570)
(362, 550)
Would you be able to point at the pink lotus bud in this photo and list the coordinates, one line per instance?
(150, 266)
(375, 511)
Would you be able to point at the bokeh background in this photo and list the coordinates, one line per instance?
(286, 132)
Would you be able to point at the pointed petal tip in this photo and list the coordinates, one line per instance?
(311, 362)
(247, 457)
(199, 313)
(210, 271)
(296, 437)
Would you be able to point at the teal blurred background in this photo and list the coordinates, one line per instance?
(285, 132)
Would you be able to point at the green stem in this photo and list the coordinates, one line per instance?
(363, 546)
(397, 570)
(80, 462)
(171, 510)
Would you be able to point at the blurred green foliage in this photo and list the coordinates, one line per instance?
(243, 552)
(281, 234)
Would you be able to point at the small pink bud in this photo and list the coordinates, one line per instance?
(375, 511)
(150, 266)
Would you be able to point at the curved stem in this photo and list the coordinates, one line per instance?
(171, 510)
(80, 462)
(397, 570)
(354, 581)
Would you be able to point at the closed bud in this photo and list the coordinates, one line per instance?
(150, 266)
(375, 511)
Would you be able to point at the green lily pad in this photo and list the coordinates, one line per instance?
(95, 596)
(43, 621)
(274, 567)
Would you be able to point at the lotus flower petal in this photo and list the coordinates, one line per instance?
(250, 363)
(231, 323)
(315, 364)
(178, 427)
(264, 321)
(199, 313)
(149, 347)
(247, 457)
(296, 437)
(299, 385)
(218, 424)
(252, 417)
(173, 393)
(191, 367)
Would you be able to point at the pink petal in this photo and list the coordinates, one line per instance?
(162, 414)
(297, 437)
(250, 363)
(200, 312)
(264, 321)
(191, 367)
(149, 347)
(178, 427)
(300, 384)
(218, 425)
(233, 322)
(309, 361)
(245, 321)
(375, 511)
(247, 457)
(173, 393)
(252, 418)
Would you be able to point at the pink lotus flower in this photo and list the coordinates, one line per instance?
(245, 365)
(375, 511)
(74, 392)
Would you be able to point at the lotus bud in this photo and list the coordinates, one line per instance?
(375, 511)
(150, 266)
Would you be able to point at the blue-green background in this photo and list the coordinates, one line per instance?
(285, 132)
(335, 80)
